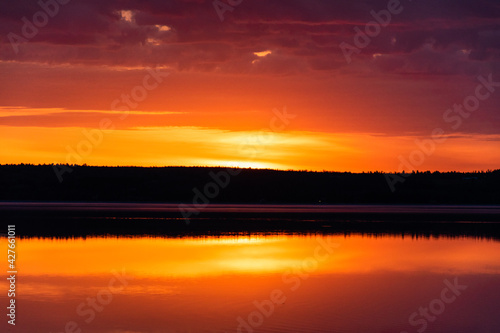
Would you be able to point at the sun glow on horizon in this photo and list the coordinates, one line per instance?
(198, 146)
(244, 164)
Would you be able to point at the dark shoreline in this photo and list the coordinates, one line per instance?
(68, 220)
(222, 185)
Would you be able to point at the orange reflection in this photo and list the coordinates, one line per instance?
(206, 284)
(191, 257)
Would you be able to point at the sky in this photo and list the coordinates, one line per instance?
(344, 85)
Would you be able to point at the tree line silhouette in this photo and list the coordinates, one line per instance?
(26, 182)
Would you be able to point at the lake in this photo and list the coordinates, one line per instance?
(297, 280)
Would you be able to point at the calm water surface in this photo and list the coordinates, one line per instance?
(257, 283)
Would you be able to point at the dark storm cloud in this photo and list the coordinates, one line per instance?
(445, 36)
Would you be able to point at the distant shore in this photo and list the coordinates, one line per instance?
(197, 186)
(198, 201)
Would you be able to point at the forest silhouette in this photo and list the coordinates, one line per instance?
(25, 182)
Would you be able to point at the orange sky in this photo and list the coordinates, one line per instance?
(170, 92)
